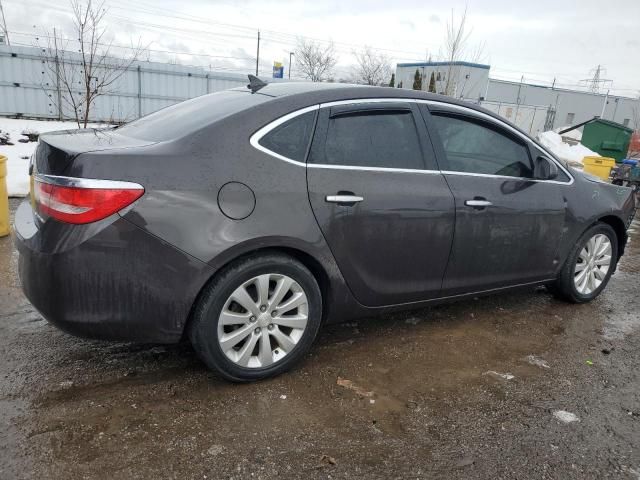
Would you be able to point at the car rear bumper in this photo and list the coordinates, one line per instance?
(109, 280)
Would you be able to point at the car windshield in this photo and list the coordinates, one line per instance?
(191, 115)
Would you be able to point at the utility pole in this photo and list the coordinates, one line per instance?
(4, 25)
(291, 54)
(594, 83)
(258, 54)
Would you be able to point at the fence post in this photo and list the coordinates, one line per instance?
(533, 117)
(59, 92)
(139, 92)
(4, 198)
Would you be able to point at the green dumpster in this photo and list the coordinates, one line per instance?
(609, 139)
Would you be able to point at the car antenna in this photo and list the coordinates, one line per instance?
(255, 83)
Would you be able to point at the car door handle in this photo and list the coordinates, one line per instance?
(476, 203)
(344, 199)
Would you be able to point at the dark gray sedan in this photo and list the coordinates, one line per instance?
(245, 219)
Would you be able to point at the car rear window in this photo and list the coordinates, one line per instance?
(191, 115)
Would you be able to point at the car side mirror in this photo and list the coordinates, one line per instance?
(545, 169)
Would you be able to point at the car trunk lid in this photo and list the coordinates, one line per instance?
(56, 150)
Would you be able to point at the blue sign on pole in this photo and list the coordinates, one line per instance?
(278, 70)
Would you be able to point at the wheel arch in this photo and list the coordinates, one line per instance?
(621, 232)
(314, 265)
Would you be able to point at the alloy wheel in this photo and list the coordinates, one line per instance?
(263, 320)
(593, 264)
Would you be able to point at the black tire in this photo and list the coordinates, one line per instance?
(564, 287)
(203, 328)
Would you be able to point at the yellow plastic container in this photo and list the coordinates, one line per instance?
(599, 166)
(4, 198)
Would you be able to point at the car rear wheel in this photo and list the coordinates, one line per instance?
(257, 318)
(589, 266)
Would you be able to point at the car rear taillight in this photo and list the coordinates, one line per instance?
(82, 200)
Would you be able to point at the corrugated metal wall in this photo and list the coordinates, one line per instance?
(571, 106)
(145, 87)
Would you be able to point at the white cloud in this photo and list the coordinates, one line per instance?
(542, 39)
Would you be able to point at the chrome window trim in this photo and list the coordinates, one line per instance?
(357, 101)
(257, 136)
(77, 182)
(506, 177)
(372, 169)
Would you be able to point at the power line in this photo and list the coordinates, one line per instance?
(173, 52)
(241, 32)
(275, 36)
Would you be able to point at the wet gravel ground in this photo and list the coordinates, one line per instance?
(479, 389)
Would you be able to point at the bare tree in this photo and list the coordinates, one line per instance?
(371, 68)
(88, 72)
(457, 49)
(315, 61)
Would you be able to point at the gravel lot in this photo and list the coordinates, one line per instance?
(512, 386)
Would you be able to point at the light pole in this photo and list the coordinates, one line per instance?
(290, 55)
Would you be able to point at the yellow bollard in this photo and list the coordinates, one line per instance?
(4, 198)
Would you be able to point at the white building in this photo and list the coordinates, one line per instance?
(532, 107)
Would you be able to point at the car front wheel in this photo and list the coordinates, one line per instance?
(257, 318)
(589, 266)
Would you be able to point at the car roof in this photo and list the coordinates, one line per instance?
(324, 92)
(308, 93)
(340, 90)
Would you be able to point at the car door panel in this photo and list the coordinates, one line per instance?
(392, 246)
(513, 240)
(508, 227)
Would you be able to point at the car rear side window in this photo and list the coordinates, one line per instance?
(375, 138)
(474, 147)
(291, 139)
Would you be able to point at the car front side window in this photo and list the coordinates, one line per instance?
(472, 146)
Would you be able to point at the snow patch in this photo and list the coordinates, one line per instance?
(569, 153)
(565, 417)
(19, 154)
(504, 376)
(537, 361)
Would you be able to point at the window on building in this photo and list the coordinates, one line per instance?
(570, 118)
(376, 138)
(474, 147)
(291, 139)
(626, 121)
